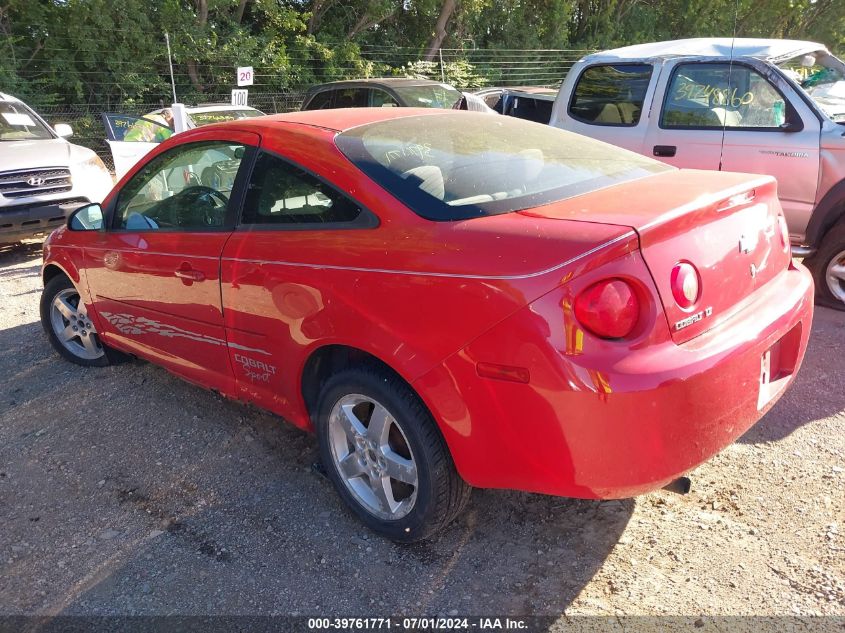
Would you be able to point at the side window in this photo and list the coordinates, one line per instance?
(280, 193)
(351, 98)
(532, 109)
(611, 94)
(321, 101)
(381, 99)
(721, 95)
(185, 188)
(494, 100)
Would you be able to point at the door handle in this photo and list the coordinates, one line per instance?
(189, 274)
(665, 150)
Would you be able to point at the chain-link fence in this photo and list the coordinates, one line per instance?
(89, 129)
(465, 69)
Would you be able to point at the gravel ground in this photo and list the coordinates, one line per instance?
(127, 491)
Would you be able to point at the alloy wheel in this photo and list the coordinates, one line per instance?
(373, 456)
(73, 327)
(835, 276)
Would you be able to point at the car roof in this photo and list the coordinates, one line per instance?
(532, 90)
(769, 49)
(217, 107)
(8, 97)
(378, 81)
(338, 120)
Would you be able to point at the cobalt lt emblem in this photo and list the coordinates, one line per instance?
(35, 181)
(695, 318)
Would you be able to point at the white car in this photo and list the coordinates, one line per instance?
(43, 178)
(131, 137)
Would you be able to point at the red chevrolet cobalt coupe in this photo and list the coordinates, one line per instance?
(448, 299)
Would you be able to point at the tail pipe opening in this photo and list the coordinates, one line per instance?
(681, 485)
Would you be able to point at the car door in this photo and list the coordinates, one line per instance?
(777, 134)
(130, 138)
(272, 310)
(686, 129)
(155, 272)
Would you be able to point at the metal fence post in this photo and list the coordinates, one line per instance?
(442, 70)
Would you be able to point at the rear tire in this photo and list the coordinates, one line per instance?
(828, 268)
(69, 327)
(385, 456)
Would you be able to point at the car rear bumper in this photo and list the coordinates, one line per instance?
(22, 221)
(618, 426)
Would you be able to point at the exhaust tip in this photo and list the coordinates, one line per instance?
(681, 485)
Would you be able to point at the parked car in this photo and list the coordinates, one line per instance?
(130, 138)
(448, 299)
(389, 92)
(761, 106)
(43, 178)
(531, 103)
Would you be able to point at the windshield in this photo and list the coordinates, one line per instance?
(823, 80)
(431, 96)
(464, 165)
(19, 123)
(219, 116)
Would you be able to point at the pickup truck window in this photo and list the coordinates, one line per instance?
(717, 95)
(611, 94)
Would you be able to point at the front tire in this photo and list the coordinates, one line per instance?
(828, 268)
(68, 325)
(385, 456)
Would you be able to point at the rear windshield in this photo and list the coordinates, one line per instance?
(463, 165)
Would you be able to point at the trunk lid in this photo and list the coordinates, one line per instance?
(724, 224)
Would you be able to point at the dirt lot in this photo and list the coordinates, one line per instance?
(127, 491)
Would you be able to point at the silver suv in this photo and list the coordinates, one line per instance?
(43, 178)
(751, 105)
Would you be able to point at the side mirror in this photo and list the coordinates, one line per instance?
(87, 218)
(63, 130)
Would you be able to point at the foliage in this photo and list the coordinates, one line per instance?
(112, 52)
(458, 73)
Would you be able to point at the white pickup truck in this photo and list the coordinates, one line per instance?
(750, 105)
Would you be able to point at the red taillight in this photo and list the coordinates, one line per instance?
(609, 308)
(784, 232)
(686, 286)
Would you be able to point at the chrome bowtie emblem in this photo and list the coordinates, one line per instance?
(35, 181)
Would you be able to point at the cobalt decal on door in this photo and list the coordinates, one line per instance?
(155, 273)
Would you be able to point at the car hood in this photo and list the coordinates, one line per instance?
(33, 154)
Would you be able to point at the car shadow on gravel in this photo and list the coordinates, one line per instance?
(817, 392)
(15, 253)
(137, 493)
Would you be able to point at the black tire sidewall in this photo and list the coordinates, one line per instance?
(418, 522)
(832, 245)
(51, 289)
